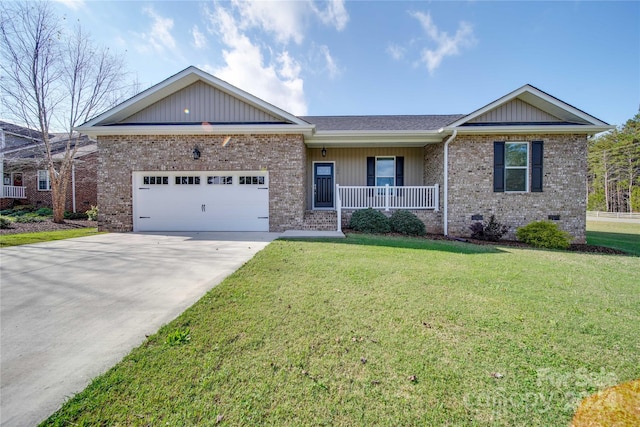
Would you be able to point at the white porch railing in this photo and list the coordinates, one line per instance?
(387, 197)
(13, 192)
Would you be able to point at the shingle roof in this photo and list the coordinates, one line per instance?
(35, 150)
(21, 130)
(381, 123)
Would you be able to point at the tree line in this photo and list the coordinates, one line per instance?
(614, 169)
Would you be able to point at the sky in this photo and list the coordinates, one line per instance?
(338, 57)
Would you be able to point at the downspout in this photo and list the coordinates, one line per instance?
(445, 190)
(73, 186)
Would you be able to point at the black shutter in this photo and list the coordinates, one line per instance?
(498, 166)
(536, 166)
(371, 171)
(399, 171)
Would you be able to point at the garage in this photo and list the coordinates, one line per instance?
(201, 201)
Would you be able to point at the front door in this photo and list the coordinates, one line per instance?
(323, 185)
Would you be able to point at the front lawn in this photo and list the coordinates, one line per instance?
(44, 236)
(618, 235)
(383, 331)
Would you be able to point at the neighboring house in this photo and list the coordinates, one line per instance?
(25, 174)
(196, 153)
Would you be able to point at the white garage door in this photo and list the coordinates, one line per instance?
(201, 201)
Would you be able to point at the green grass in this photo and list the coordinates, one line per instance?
(44, 236)
(617, 235)
(383, 331)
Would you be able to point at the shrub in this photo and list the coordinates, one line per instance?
(491, 230)
(370, 221)
(92, 214)
(5, 222)
(44, 212)
(23, 208)
(544, 234)
(29, 217)
(405, 222)
(75, 215)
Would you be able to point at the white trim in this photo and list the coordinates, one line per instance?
(196, 130)
(376, 170)
(313, 183)
(445, 190)
(369, 138)
(526, 167)
(48, 181)
(529, 129)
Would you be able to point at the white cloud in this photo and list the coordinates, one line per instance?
(72, 4)
(284, 19)
(276, 80)
(159, 38)
(199, 39)
(395, 51)
(335, 14)
(331, 66)
(445, 44)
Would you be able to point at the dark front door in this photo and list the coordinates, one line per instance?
(323, 185)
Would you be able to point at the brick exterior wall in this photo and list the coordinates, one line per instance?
(434, 174)
(284, 156)
(85, 180)
(564, 185)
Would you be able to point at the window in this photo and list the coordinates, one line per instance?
(44, 184)
(385, 171)
(155, 180)
(516, 166)
(251, 180)
(512, 162)
(220, 180)
(187, 180)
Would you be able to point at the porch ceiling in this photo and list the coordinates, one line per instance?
(350, 139)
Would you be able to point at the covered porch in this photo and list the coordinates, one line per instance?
(386, 198)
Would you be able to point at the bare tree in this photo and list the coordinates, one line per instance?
(54, 77)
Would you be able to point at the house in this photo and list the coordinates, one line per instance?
(25, 175)
(194, 153)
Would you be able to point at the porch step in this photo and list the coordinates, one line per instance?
(320, 220)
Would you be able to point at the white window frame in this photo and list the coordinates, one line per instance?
(47, 181)
(525, 167)
(393, 176)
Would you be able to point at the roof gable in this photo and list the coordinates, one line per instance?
(515, 111)
(191, 98)
(528, 106)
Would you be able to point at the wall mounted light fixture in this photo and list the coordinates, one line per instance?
(324, 152)
(196, 153)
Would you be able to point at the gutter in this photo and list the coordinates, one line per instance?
(445, 216)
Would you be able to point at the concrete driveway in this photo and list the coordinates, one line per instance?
(71, 309)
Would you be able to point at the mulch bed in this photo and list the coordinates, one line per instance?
(513, 243)
(46, 225)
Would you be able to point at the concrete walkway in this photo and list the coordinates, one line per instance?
(311, 234)
(71, 309)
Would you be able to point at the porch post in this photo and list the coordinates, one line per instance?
(339, 207)
(436, 197)
(386, 197)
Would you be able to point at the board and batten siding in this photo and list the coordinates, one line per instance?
(515, 111)
(351, 164)
(200, 102)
